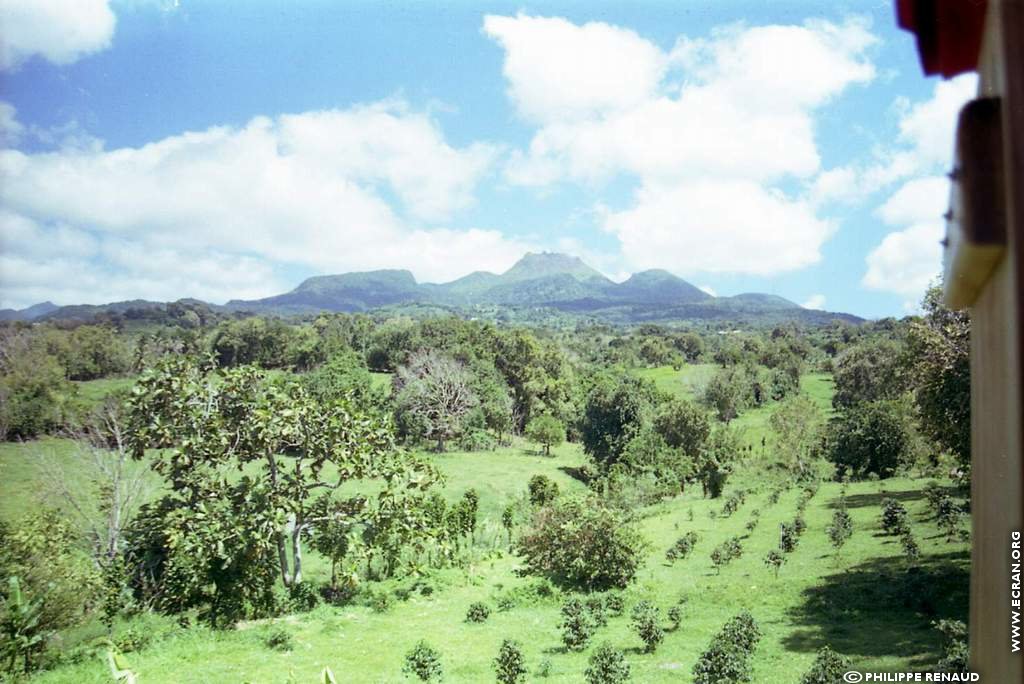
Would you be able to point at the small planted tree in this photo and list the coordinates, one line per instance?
(948, 514)
(841, 529)
(577, 626)
(510, 666)
(546, 431)
(675, 617)
(508, 521)
(828, 668)
(683, 546)
(478, 612)
(607, 665)
(727, 658)
(910, 548)
(799, 525)
(423, 662)
(955, 655)
(788, 538)
(894, 517)
(774, 560)
(543, 490)
(726, 552)
(645, 622)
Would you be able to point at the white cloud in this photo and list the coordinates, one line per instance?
(11, 129)
(708, 290)
(559, 71)
(60, 31)
(709, 129)
(815, 301)
(718, 226)
(908, 259)
(215, 213)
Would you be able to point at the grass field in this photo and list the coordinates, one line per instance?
(863, 603)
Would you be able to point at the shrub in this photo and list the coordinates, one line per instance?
(841, 528)
(595, 608)
(645, 622)
(675, 617)
(303, 597)
(577, 627)
(424, 662)
(934, 492)
(381, 601)
(583, 544)
(894, 517)
(607, 665)
(614, 604)
(509, 666)
(726, 552)
(478, 612)
(732, 504)
(788, 538)
(799, 526)
(278, 639)
(948, 514)
(828, 668)
(910, 547)
(544, 668)
(955, 656)
(683, 546)
(774, 560)
(543, 490)
(727, 658)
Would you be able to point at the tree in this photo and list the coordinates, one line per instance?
(546, 431)
(841, 529)
(577, 625)
(727, 658)
(433, 396)
(510, 666)
(584, 544)
(424, 662)
(870, 437)
(542, 490)
(714, 464)
(33, 388)
(682, 425)
(645, 622)
(870, 371)
(607, 665)
(940, 352)
(894, 517)
(828, 668)
(774, 560)
(615, 410)
(727, 392)
(216, 541)
(796, 423)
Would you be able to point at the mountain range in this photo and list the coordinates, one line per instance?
(558, 283)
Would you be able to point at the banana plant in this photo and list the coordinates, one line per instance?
(21, 635)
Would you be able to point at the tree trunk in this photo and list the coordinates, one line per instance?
(282, 558)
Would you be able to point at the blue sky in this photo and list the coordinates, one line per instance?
(228, 150)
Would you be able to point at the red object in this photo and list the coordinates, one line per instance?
(948, 32)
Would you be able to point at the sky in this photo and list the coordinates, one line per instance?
(161, 149)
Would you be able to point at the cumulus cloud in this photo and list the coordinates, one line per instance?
(815, 301)
(59, 31)
(710, 129)
(215, 213)
(909, 258)
(718, 226)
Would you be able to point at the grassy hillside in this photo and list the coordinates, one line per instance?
(863, 602)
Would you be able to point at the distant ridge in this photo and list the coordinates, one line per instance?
(546, 280)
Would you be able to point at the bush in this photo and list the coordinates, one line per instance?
(476, 440)
(607, 665)
(727, 658)
(478, 612)
(683, 546)
(955, 656)
(841, 528)
(910, 547)
(543, 490)
(509, 666)
(828, 668)
(423, 661)
(675, 617)
(595, 608)
(381, 601)
(894, 517)
(774, 560)
(948, 514)
(645, 622)
(726, 552)
(583, 544)
(303, 597)
(788, 538)
(577, 626)
(614, 604)
(278, 639)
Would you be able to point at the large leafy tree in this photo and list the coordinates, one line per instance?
(873, 370)
(253, 469)
(940, 349)
(434, 396)
(616, 409)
